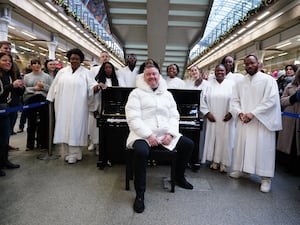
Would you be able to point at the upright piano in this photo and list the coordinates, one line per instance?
(113, 128)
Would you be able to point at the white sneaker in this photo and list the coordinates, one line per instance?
(239, 174)
(214, 166)
(72, 160)
(223, 168)
(265, 185)
(67, 158)
(91, 147)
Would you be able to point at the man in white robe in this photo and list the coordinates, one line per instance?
(255, 104)
(94, 106)
(127, 75)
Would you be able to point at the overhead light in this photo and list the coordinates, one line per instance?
(28, 43)
(283, 45)
(26, 49)
(73, 25)
(51, 6)
(263, 15)
(268, 58)
(11, 27)
(241, 30)
(62, 16)
(43, 54)
(251, 24)
(43, 49)
(61, 49)
(28, 34)
(282, 54)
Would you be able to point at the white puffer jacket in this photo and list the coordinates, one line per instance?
(151, 112)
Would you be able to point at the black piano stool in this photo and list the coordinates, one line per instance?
(158, 154)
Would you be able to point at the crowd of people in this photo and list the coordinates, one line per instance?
(243, 125)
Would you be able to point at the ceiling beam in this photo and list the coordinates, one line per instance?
(157, 29)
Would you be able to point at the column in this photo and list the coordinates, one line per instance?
(51, 48)
(5, 17)
(259, 52)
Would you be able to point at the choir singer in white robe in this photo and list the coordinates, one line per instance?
(214, 104)
(255, 104)
(70, 90)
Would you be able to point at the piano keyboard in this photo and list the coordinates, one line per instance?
(113, 120)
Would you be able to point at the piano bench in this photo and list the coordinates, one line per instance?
(158, 154)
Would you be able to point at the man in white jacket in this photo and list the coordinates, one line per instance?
(255, 104)
(153, 120)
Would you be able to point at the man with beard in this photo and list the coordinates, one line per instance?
(255, 104)
(127, 75)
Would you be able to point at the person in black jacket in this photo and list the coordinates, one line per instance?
(9, 87)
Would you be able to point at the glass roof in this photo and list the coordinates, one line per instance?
(224, 14)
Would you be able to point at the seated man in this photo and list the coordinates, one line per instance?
(153, 120)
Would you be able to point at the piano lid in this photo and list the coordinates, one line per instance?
(114, 100)
(188, 103)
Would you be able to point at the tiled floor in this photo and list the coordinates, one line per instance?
(53, 192)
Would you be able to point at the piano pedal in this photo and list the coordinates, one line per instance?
(151, 162)
(108, 163)
(102, 164)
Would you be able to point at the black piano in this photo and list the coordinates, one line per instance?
(191, 119)
(113, 129)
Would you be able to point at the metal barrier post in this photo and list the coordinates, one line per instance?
(49, 155)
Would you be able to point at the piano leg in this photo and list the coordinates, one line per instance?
(102, 158)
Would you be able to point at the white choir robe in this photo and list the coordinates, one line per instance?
(235, 77)
(70, 93)
(175, 83)
(126, 77)
(254, 148)
(219, 135)
(190, 84)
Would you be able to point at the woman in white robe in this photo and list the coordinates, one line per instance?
(215, 101)
(70, 91)
(196, 82)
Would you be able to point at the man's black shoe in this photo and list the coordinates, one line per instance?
(2, 173)
(182, 182)
(139, 205)
(10, 165)
(11, 148)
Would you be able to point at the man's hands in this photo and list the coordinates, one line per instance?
(154, 141)
(246, 118)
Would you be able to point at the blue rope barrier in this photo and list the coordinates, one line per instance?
(37, 104)
(22, 107)
(294, 115)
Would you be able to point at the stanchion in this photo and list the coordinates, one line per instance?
(49, 155)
